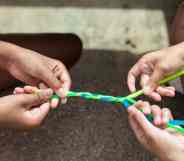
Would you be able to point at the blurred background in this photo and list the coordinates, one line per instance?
(113, 32)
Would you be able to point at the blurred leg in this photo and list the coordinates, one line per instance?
(177, 35)
(177, 28)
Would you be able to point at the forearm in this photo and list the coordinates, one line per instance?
(172, 58)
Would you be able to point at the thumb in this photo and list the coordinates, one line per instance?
(144, 131)
(30, 100)
(153, 82)
(142, 122)
(35, 116)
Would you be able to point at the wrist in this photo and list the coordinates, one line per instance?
(8, 53)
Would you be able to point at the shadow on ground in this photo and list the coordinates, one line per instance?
(83, 130)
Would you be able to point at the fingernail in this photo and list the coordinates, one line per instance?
(34, 89)
(146, 111)
(172, 93)
(47, 93)
(147, 89)
(42, 86)
(54, 102)
(139, 101)
(57, 85)
(64, 100)
(37, 92)
(131, 109)
(61, 92)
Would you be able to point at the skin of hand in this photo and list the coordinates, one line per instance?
(31, 89)
(153, 67)
(33, 68)
(165, 143)
(24, 111)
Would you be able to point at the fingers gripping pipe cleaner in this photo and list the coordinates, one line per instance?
(130, 100)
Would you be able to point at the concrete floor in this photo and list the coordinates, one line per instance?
(134, 25)
(113, 34)
(85, 130)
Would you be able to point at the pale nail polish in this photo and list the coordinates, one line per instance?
(42, 86)
(64, 100)
(54, 102)
(46, 93)
(146, 90)
(61, 92)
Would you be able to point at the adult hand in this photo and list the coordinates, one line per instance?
(24, 111)
(32, 68)
(154, 66)
(165, 144)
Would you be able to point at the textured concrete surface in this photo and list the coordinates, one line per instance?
(136, 26)
(81, 130)
(85, 130)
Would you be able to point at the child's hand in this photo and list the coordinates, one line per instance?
(24, 111)
(153, 67)
(31, 89)
(168, 146)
